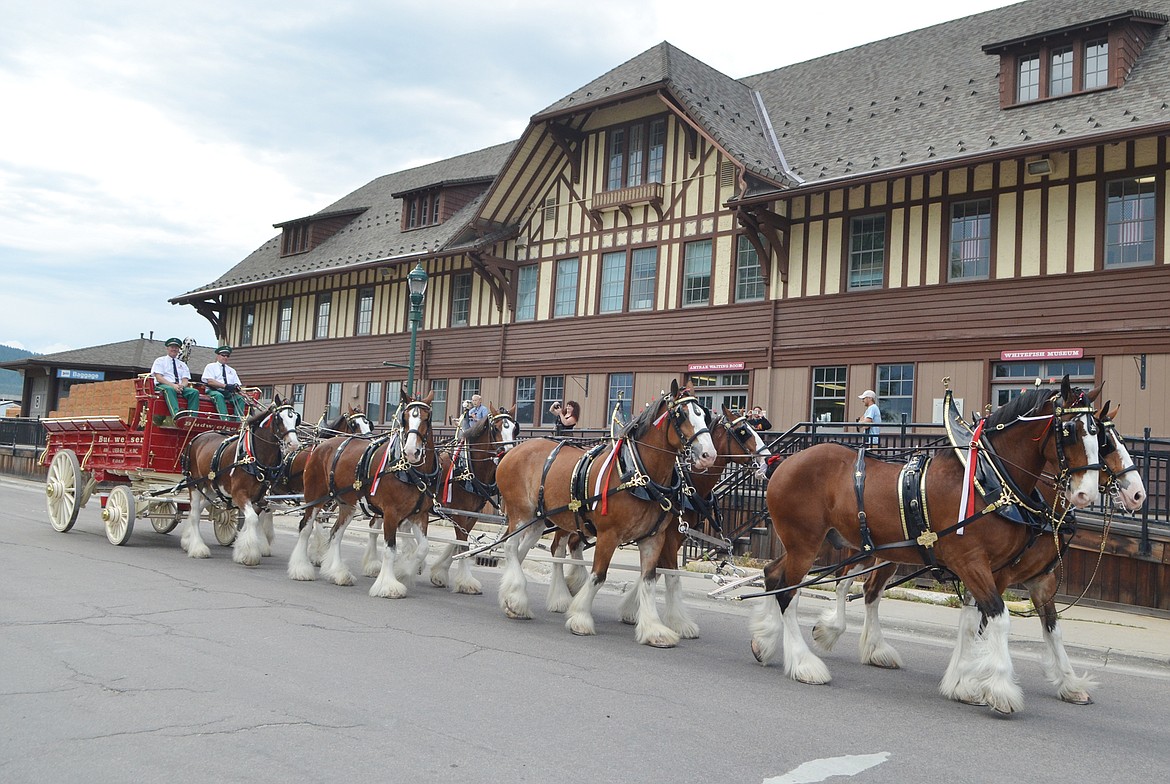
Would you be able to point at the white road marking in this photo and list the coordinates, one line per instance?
(819, 770)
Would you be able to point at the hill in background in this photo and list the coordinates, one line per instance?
(11, 382)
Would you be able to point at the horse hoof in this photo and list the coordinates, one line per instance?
(661, 643)
(1077, 699)
(517, 616)
(973, 701)
(757, 652)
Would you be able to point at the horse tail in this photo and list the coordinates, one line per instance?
(185, 459)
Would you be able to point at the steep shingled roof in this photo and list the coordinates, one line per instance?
(933, 94)
(927, 96)
(374, 234)
(723, 107)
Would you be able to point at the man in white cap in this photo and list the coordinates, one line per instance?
(871, 417)
(222, 383)
(172, 378)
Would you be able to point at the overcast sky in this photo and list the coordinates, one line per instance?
(147, 147)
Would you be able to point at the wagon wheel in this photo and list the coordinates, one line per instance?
(119, 515)
(164, 515)
(64, 487)
(225, 522)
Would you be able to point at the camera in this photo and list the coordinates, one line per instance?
(466, 405)
(557, 404)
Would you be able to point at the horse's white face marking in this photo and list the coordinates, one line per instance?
(361, 425)
(1131, 490)
(761, 453)
(413, 445)
(1086, 490)
(507, 433)
(702, 449)
(288, 420)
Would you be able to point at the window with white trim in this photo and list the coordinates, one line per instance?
(697, 273)
(970, 257)
(565, 299)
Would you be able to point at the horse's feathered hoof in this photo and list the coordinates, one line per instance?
(756, 652)
(661, 643)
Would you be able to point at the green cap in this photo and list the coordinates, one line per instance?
(224, 350)
(174, 342)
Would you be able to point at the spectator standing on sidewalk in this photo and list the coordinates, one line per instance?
(872, 417)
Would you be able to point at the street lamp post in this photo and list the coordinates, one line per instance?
(417, 281)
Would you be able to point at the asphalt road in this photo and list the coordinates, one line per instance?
(140, 664)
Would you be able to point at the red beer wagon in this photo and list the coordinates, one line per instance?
(141, 458)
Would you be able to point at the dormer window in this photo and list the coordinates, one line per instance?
(304, 234)
(420, 209)
(294, 238)
(1095, 55)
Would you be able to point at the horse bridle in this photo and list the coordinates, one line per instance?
(676, 410)
(355, 416)
(735, 428)
(1106, 435)
(497, 429)
(403, 416)
(273, 413)
(1066, 432)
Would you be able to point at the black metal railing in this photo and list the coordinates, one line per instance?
(21, 431)
(741, 495)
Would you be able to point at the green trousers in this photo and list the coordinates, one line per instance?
(239, 404)
(190, 396)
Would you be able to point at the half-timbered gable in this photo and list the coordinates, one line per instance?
(985, 200)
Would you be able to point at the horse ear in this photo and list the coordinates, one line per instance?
(276, 400)
(1065, 389)
(1095, 392)
(673, 387)
(727, 412)
(430, 396)
(402, 395)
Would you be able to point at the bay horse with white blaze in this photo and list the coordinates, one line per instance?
(911, 514)
(395, 473)
(627, 492)
(467, 482)
(736, 441)
(238, 470)
(1036, 569)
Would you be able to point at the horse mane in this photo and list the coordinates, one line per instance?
(476, 430)
(1027, 403)
(259, 415)
(643, 421)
